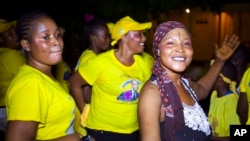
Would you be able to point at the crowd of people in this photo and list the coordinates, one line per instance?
(116, 91)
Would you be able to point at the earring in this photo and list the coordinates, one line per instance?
(26, 49)
(158, 52)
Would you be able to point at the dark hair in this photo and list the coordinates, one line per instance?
(26, 22)
(90, 28)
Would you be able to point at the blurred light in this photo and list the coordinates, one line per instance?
(187, 10)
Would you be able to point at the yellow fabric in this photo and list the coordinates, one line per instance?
(112, 108)
(245, 88)
(81, 119)
(10, 61)
(62, 74)
(148, 58)
(78, 128)
(232, 84)
(110, 26)
(33, 96)
(124, 25)
(86, 55)
(85, 115)
(222, 113)
(5, 25)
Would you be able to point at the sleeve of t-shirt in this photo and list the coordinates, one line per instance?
(26, 101)
(90, 70)
(244, 81)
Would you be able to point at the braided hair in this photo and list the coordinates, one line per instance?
(25, 23)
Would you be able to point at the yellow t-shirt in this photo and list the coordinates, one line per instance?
(245, 87)
(10, 61)
(115, 91)
(86, 55)
(148, 58)
(33, 96)
(62, 74)
(222, 113)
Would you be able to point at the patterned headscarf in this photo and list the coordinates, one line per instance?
(174, 117)
(161, 31)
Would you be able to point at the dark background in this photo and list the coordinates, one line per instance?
(110, 10)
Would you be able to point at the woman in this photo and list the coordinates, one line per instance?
(97, 39)
(113, 115)
(11, 58)
(168, 105)
(38, 108)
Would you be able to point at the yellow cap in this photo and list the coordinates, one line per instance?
(124, 25)
(110, 26)
(5, 25)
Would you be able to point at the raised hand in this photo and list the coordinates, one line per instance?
(227, 48)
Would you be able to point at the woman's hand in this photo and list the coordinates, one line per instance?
(228, 47)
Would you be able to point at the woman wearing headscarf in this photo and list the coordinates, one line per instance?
(168, 104)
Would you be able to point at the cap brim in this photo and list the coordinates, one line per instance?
(143, 26)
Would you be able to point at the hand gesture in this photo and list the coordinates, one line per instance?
(228, 47)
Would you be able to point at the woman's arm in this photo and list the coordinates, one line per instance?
(76, 84)
(242, 108)
(149, 112)
(27, 130)
(21, 131)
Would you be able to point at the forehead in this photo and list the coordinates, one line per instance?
(101, 29)
(178, 31)
(44, 24)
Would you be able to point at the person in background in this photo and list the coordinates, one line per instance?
(111, 118)
(62, 70)
(223, 103)
(240, 59)
(8, 36)
(168, 108)
(96, 37)
(243, 107)
(38, 108)
(11, 58)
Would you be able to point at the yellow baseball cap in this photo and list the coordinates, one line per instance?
(110, 26)
(124, 25)
(5, 25)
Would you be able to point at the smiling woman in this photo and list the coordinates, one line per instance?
(35, 100)
(168, 107)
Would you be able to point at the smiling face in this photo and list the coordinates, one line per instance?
(175, 50)
(45, 45)
(135, 41)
